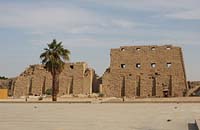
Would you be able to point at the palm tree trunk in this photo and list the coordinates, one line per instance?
(55, 85)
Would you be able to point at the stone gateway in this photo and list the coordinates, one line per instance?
(145, 71)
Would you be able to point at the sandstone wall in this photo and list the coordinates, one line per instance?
(7, 84)
(4, 83)
(33, 81)
(193, 84)
(76, 78)
(145, 71)
(194, 88)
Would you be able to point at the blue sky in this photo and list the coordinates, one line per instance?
(89, 28)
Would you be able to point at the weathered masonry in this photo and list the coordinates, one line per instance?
(145, 71)
(194, 88)
(76, 78)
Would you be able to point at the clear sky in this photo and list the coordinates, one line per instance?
(89, 28)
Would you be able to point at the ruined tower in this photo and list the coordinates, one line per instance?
(145, 71)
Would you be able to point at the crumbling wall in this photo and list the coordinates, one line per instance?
(194, 88)
(145, 71)
(32, 81)
(4, 83)
(193, 84)
(76, 78)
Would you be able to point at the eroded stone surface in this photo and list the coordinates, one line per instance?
(145, 71)
(76, 78)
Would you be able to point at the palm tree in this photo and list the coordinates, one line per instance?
(54, 58)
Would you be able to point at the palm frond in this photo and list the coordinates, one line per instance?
(55, 56)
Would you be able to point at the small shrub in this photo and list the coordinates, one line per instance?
(48, 91)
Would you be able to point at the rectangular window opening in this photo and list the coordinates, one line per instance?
(71, 67)
(138, 65)
(138, 49)
(153, 65)
(122, 49)
(153, 48)
(169, 65)
(123, 66)
(168, 48)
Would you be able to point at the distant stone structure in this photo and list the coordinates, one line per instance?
(135, 71)
(76, 78)
(3, 93)
(4, 83)
(193, 84)
(145, 71)
(194, 88)
(7, 84)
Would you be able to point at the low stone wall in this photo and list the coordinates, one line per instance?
(3, 93)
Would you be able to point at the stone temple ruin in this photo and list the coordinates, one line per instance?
(135, 71)
(145, 71)
(76, 78)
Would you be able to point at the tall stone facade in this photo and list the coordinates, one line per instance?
(76, 78)
(145, 71)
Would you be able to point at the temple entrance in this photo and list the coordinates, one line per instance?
(167, 87)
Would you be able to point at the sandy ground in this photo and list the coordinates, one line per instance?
(107, 99)
(135, 116)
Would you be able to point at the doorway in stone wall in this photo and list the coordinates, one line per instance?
(153, 86)
(170, 85)
(70, 85)
(137, 86)
(30, 86)
(167, 87)
(122, 79)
